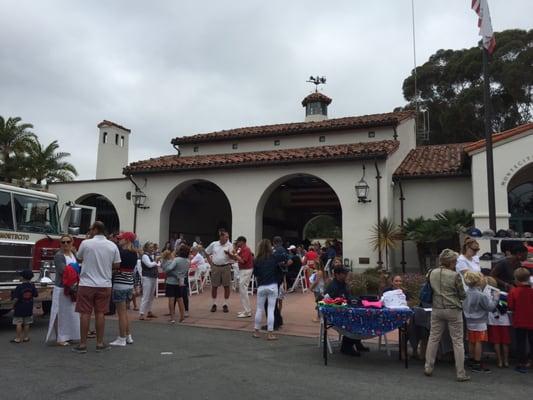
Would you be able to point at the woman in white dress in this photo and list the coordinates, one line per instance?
(64, 323)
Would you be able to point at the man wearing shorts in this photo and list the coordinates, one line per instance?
(99, 257)
(220, 256)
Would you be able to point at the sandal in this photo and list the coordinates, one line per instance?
(256, 335)
(172, 321)
(271, 336)
(26, 340)
(63, 344)
(91, 335)
(15, 341)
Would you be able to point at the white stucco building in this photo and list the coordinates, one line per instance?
(272, 180)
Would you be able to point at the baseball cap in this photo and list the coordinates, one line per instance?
(129, 236)
(340, 270)
(291, 247)
(488, 233)
(502, 233)
(26, 274)
(474, 232)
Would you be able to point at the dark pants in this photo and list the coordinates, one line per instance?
(523, 336)
(184, 294)
(349, 342)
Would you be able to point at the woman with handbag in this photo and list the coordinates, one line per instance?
(447, 296)
(64, 325)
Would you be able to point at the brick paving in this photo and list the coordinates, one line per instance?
(298, 312)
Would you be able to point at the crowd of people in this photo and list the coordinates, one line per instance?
(481, 305)
(465, 299)
(115, 272)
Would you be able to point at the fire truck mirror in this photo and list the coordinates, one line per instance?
(75, 218)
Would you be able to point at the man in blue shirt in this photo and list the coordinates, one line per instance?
(337, 288)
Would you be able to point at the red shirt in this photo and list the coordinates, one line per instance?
(520, 302)
(247, 258)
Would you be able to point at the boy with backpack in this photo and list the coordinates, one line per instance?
(23, 295)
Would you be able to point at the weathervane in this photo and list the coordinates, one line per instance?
(317, 80)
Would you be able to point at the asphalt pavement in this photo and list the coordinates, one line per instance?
(181, 362)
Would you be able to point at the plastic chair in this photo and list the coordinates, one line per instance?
(300, 280)
(194, 281)
(251, 286)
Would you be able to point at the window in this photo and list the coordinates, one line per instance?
(116, 139)
(195, 149)
(276, 142)
(34, 214)
(235, 146)
(322, 139)
(122, 141)
(6, 213)
(104, 137)
(371, 134)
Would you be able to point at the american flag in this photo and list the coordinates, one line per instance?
(481, 7)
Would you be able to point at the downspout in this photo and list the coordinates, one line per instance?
(378, 181)
(402, 223)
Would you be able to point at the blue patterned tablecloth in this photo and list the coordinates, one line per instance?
(366, 321)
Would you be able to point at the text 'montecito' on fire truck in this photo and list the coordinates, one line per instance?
(30, 227)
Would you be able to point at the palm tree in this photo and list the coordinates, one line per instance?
(385, 236)
(15, 138)
(45, 164)
(425, 233)
(453, 222)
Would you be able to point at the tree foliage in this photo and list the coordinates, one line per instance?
(450, 87)
(46, 164)
(427, 233)
(15, 138)
(23, 157)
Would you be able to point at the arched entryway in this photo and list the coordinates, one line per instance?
(105, 212)
(294, 204)
(520, 200)
(196, 209)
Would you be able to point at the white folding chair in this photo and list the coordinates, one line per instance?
(194, 281)
(160, 282)
(251, 286)
(384, 338)
(206, 278)
(300, 280)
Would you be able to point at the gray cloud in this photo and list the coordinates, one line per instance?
(176, 68)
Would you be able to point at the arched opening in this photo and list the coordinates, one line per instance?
(105, 212)
(520, 200)
(196, 209)
(301, 209)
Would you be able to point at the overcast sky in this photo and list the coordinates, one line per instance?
(174, 68)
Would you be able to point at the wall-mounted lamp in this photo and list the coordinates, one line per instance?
(361, 189)
(139, 198)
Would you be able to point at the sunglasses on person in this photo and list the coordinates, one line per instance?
(66, 241)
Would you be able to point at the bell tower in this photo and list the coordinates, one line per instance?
(113, 145)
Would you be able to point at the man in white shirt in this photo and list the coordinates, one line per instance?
(99, 257)
(220, 255)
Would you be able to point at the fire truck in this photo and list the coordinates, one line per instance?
(30, 227)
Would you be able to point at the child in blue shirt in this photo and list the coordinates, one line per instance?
(23, 295)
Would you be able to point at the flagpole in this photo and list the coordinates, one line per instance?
(488, 148)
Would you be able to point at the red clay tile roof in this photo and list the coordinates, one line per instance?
(434, 161)
(497, 137)
(365, 121)
(316, 96)
(342, 152)
(105, 122)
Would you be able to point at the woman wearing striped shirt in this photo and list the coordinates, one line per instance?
(123, 286)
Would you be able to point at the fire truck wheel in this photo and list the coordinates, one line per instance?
(47, 306)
